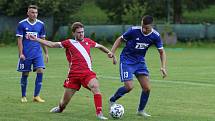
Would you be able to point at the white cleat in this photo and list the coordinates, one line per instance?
(101, 116)
(143, 113)
(55, 110)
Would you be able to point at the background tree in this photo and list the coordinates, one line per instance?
(133, 13)
(59, 9)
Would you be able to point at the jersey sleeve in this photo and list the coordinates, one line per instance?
(127, 35)
(42, 33)
(65, 43)
(92, 43)
(19, 30)
(159, 43)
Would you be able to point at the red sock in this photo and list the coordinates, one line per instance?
(98, 103)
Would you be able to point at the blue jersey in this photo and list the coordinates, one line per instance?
(31, 49)
(137, 44)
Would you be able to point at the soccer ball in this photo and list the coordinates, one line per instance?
(116, 111)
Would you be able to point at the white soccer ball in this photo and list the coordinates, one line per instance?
(116, 111)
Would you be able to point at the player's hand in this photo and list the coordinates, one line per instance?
(22, 57)
(46, 58)
(32, 37)
(110, 55)
(163, 72)
(114, 60)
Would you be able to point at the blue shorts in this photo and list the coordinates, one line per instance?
(127, 70)
(25, 65)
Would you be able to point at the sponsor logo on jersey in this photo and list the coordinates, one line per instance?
(141, 45)
(30, 33)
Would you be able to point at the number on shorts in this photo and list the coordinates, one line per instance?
(125, 74)
(21, 66)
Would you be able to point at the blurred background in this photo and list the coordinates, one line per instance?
(178, 21)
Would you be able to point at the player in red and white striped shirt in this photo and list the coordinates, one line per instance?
(80, 67)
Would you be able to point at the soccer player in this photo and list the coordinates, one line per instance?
(132, 60)
(80, 71)
(30, 52)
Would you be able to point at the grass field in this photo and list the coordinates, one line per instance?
(187, 94)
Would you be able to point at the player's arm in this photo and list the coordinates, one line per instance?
(20, 48)
(105, 50)
(46, 42)
(45, 49)
(116, 44)
(163, 62)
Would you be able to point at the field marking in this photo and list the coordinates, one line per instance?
(166, 81)
(118, 78)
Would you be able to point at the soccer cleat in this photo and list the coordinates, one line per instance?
(101, 116)
(55, 110)
(38, 99)
(24, 100)
(143, 113)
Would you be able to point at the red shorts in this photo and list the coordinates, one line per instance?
(74, 81)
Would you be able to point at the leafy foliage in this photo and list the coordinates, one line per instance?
(133, 13)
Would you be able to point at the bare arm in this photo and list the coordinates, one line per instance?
(20, 48)
(45, 49)
(163, 62)
(116, 44)
(45, 42)
(105, 50)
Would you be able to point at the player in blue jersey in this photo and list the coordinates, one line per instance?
(132, 60)
(30, 52)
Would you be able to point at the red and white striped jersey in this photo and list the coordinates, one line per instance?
(78, 54)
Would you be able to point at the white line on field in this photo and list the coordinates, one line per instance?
(118, 78)
(165, 81)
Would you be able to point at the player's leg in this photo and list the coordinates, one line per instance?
(126, 74)
(128, 86)
(24, 66)
(144, 82)
(93, 85)
(23, 83)
(38, 66)
(68, 93)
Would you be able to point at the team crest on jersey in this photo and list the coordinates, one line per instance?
(137, 38)
(26, 28)
(141, 45)
(86, 43)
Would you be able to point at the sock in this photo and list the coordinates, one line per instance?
(98, 103)
(38, 84)
(61, 107)
(143, 100)
(119, 93)
(23, 83)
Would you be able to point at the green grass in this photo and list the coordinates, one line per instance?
(187, 94)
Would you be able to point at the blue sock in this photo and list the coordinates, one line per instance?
(38, 84)
(23, 83)
(143, 100)
(119, 93)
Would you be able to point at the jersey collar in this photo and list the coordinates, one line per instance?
(30, 22)
(146, 34)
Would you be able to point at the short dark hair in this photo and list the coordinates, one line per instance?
(147, 19)
(33, 6)
(76, 25)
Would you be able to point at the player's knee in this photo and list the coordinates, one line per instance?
(129, 88)
(39, 70)
(25, 73)
(146, 89)
(94, 88)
